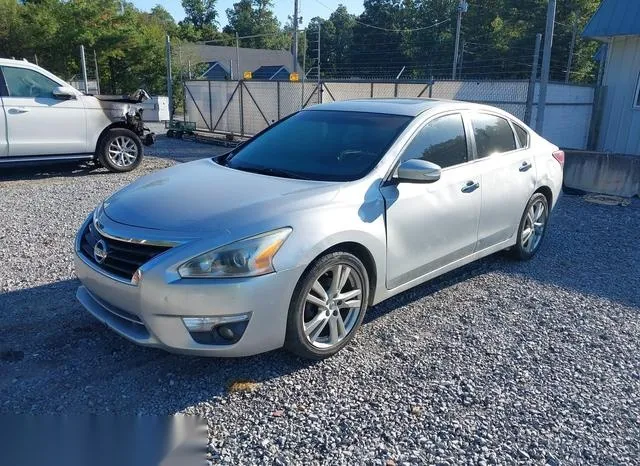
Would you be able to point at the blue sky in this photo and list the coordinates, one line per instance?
(282, 8)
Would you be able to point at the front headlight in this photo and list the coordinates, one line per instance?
(245, 258)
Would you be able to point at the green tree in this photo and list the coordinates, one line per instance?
(256, 18)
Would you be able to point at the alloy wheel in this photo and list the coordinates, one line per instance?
(333, 306)
(534, 226)
(122, 151)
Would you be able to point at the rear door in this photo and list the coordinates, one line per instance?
(37, 122)
(432, 225)
(506, 166)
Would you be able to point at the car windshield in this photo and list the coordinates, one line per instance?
(320, 145)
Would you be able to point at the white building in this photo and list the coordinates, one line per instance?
(617, 24)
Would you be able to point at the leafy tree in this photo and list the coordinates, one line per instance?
(255, 18)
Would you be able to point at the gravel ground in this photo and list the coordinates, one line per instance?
(499, 362)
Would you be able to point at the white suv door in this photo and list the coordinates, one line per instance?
(37, 122)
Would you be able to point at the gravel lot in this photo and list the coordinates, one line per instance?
(499, 362)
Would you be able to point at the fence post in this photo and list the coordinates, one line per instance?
(596, 117)
(431, 87)
(371, 89)
(210, 108)
(278, 97)
(528, 113)
(395, 90)
(241, 110)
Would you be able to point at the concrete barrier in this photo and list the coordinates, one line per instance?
(602, 173)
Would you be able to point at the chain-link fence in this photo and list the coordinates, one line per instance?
(244, 108)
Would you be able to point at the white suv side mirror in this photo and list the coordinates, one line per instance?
(64, 92)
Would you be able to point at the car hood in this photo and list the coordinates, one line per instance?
(203, 196)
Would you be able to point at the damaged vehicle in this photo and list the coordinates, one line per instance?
(43, 119)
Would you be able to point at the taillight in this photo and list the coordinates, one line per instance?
(559, 156)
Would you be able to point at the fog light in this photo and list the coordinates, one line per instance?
(226, 332)
(205, 324)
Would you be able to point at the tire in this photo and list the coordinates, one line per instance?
(171, 133)
(336, 321)
(528, 244)
(116, 160)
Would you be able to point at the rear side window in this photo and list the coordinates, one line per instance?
(441, 141)
(493, 134)
(22, 82)
(522, 135)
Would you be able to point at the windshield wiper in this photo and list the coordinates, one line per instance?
(273, 172)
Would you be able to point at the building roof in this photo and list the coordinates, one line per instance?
(614, 18)
(273, 73)
(249, 59)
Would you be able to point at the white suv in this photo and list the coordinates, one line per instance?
(44, 119)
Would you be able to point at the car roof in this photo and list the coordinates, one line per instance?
(398, 106)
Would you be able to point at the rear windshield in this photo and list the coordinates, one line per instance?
(321, 145)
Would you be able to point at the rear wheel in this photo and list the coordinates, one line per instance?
(533, 226)
(120, 150)
(328, 306)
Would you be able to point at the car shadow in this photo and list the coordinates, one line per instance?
(50, 170)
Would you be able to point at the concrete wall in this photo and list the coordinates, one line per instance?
(602, 173)
(620, 126)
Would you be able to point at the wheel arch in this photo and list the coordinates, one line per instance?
(546, 191)
(363, 254)
(115, 125)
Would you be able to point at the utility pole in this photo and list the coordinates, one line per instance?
(571, 47)
(546, 64)
(459, 71)
(318, 87)
(83, 64)
(304, 68)
(295, 36)
(169, 79)
(463, 6)
(532, 80)
(237, 57)
(95, 64)
(35, 56)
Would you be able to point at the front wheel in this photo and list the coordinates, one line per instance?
(120, 150)
(532, 228)
(328, 306)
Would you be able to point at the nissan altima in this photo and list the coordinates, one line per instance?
(286, 240)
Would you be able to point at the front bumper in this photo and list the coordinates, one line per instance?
(151, 312)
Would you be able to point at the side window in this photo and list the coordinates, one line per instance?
(522, 135)
(493, 134)
(441, 141)
(22, 82)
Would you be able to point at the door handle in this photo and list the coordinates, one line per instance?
(525, 166)
(470, 187)
(18, 110)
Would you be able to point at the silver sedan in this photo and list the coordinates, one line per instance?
(287, 240)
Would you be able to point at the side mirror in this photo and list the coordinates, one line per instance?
(63, 92)
(418, 171)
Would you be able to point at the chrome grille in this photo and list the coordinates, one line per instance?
(122, 258)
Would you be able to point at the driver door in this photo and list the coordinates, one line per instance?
(432, 225)
(37, 122)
